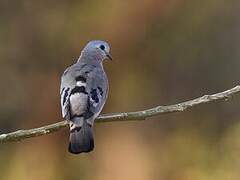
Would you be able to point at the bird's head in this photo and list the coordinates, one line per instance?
(99, 49)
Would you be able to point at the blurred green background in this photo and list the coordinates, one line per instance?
(165, 52)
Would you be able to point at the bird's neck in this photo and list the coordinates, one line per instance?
(90, 58)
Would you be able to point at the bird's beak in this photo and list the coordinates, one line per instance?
(108, 56)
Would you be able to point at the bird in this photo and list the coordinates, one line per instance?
(84, 90)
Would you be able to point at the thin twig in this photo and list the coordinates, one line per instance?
(125, 116)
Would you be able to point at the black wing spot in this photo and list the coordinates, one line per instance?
(100, 90)
(81, 78)
(62, 91)
(78, 89)
(65, 95)
(94, 95)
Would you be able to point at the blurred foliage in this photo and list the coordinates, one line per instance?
(164, 52)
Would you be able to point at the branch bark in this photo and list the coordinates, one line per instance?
(125, 116)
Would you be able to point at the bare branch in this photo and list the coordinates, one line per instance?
(125, 116)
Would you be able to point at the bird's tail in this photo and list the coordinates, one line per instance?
(81, 136)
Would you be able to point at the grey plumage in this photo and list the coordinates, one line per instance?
(84, 90)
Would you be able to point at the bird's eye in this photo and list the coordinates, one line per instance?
(102, 47)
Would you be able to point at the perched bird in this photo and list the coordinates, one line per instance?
(84, 90)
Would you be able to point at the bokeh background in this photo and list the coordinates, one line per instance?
(165, 52)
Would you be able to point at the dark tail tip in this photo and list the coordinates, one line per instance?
(81, 139)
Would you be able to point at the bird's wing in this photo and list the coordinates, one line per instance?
(97, 86)
(83, 91)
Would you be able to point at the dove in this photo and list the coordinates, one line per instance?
(84, 90)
